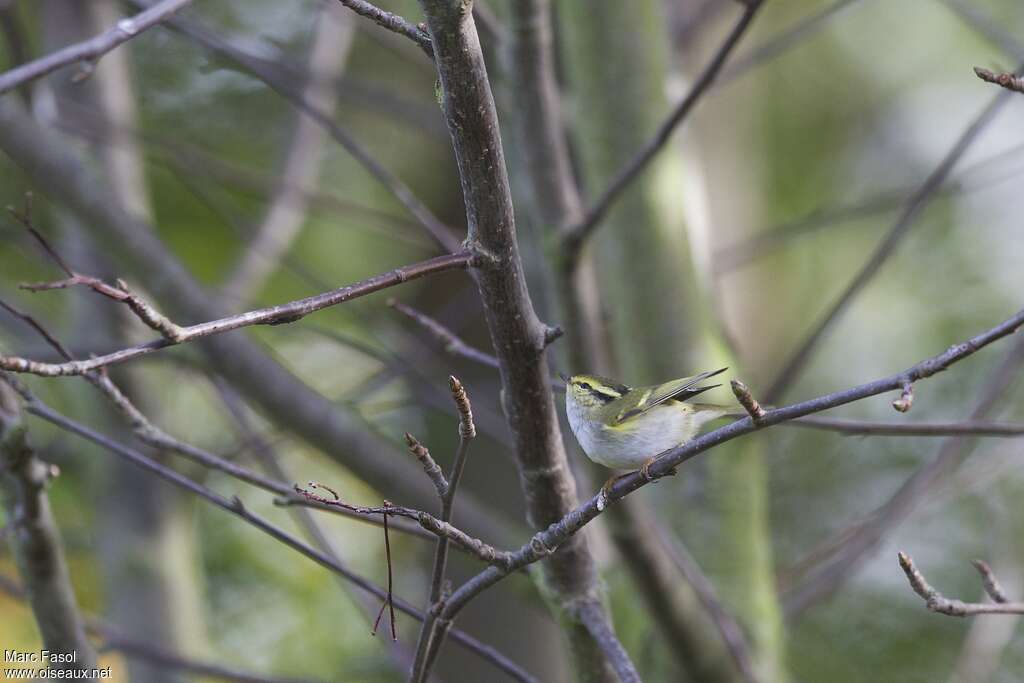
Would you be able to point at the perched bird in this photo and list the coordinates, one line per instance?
(627, 427)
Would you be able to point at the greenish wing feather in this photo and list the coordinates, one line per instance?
(652, 396)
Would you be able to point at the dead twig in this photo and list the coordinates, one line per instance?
(1006, 80)
(272, 315)
(91, 50)
(937, 602)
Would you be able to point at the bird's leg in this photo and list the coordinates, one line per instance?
(602, 496)
(645, 469)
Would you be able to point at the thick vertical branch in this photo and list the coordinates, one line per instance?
(671, 600)
(517, 334)
(36, 543)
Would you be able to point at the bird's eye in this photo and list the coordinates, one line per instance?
(584, 385)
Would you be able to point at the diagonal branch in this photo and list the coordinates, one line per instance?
(94, 48)
(576, 236)
(392, 22)
(546, 542)
(272, 315)
(451, 342)
(912, 210)
(286, 213)
(844, 553)
(235, 506)
(283, 82)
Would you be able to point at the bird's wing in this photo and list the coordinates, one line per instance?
(679, 389)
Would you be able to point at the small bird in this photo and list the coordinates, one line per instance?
(628, 427)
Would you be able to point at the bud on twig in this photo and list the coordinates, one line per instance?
(467, 429)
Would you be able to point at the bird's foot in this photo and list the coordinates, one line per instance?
(645, 470)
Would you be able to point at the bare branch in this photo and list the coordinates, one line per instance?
(283, 83)
(839, 557)
(94, 48)
(781, 43)
(518, 336)
(35, 541)
(886, 248)
(149, 433)
(451, 343)
(591, 615)
(114, 638)
(726, 624)
(545, 542)
(56, 166)
(234, 506)
(985, 24)
(988, 579)
(865, 427)
(392, 22)
(273, 315)
(287, 210)
(432, 469)
(441, 529)
(1007, 80)
(576, 236)
(936, 602)
(429, 643)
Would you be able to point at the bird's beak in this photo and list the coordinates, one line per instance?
(565, 377)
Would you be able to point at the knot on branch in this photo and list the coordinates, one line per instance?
(539, 549)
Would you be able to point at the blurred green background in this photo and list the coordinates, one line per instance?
(816, 144)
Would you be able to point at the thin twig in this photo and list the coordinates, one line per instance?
(988, 26)
(450, 341)
(94, 48)
(577, 235)
(389, 599)
(764, 241)
(149, 433)
(392, 22)
(835, 560)
(284, 84)
(886, 248)
(785, 40)
(936, 602)
(429, 641)
(287, 210)
(272, 315)
(1007, 80)
(866, 427)
(993, 588)
(728, 627)
(441, 529)
(234, 506)
(432, 469)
